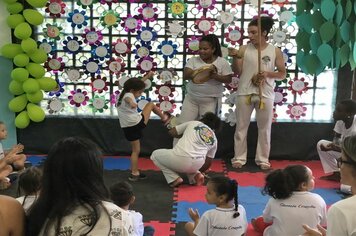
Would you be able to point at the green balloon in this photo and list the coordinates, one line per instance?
(23, 31)
(10, 1)
(35, 97)
(35, 112)
(21, 60)
(22, 120)
(14, 8)
(15, 87)
(11, 50)
(36, 70)
(19, 74)
(18, 103)
(39, 56)
(33, 16)
(31, 86)
(37, 3)
(14, 20)
(47, 84)
(29, 45)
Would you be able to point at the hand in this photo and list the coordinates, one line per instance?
(326, 148)
(314, 232)
(194, 214)
(232, 52)
(257, 80)
(149, 75)
(133, 105)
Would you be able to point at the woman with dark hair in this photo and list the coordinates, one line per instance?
(205, 96)
(245, 64)
(74, 199)
(192, 154)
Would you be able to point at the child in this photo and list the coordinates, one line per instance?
(10, 160)
(329, 152)
(132, 122)
(228, 218)
(291, 205)
(123, 196)
(29, 185)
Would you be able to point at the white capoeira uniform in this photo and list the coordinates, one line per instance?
(329, 158)
(288, 215)
(248, 100)
(205, 97)
(188, 155)
(220, 221)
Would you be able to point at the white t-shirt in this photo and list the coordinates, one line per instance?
(137, 222)
(198, 140)
(211, 88)
(128, 116)
(76, 224)
(28, 203)
(341, 129)
(2, 153)
(220, 222)
(250, 68)
(288, 215)
(342, 218)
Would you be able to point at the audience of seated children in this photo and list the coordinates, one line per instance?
(122, 195)
(228, 218)
(74, 199)
(291, 204)
(29, 186)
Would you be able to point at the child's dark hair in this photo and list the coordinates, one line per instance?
(266, 23)
(281, 183)
(121, 193)
(30, 182)
(211, 120)
(223, 185)
(350, 105)
(213, 40)
(134, 84)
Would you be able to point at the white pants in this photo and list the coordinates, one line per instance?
(171, 164)
(328, 158)
(264, 121)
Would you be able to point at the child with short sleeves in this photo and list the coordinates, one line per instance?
(132, 122)
(292, 204)
(228, 218)
(123, 196)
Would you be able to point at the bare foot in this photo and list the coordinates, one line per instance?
(199, 179)
(237, 165)
(176, 182)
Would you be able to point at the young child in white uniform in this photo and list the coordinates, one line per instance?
(123, 196)
(292, 204)
(228, 218)
(132, 122)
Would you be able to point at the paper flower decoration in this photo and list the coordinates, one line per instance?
(146, 34)
(52, 31)
(284, 81)
(77, 19)
(55, 105)
(192, 44)
(101, 51)
(91, 66)
(281, 3)
(141, 102)
(131, 23)
(164, 91)
(108, 2)
(72, 75)
(110, 19)
(121, 81)
(86, 3)
(72, 45)
(148, 12)
(114, 96)
(296, 110)
(230, 117)
(264, 13)
(279, 96)
(54, 64)
(231, 99)
(121, 47)
(177, 8)
(78, 97)
(205, 25)
(167, 75)
(287, 57)
(234, 3)
(176, 29)
(143, 50)
(275, 115)
(98, 104)
(146, 64)
(99, 84)
(233, 86)
(58, 90)
(167, 105)
(48, 46)
(226, 18)
(167, 49)
(286, 16)
(298, 86)
(280, 36)
(116, 66)
(55, 8)
(205, 4)
(234, 35)
(91, 36)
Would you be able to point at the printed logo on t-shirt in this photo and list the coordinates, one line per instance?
(266, 59)
(205, 134)
(223, 227)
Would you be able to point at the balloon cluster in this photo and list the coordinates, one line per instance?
(28, 76)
